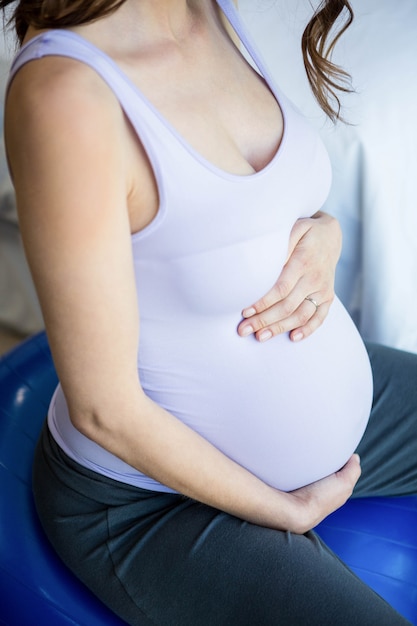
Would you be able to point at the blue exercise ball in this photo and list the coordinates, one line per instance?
(377, 539)
(36, 588)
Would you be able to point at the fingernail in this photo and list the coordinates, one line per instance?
(265, 335)
(297, 336)
(247, 330)
(248, 312)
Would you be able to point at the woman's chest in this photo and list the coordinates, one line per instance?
(216, 102)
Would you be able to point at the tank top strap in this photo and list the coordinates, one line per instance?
(233, 16)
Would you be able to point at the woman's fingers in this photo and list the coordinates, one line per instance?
(300, 300)
(305, 330)
(294, 314)
(300, 323)
(282, 292)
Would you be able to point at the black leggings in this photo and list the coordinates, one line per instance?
(162, 559)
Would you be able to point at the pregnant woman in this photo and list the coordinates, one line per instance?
(211, 395)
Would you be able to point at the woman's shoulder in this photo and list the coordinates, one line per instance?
(57, 105)
(57, 82)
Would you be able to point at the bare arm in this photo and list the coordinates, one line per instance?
(67, 147)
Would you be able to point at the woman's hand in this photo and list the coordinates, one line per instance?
(309, 272)
(313, 503)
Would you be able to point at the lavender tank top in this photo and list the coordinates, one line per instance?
(291, 413)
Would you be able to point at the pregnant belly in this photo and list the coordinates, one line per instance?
(291, 413)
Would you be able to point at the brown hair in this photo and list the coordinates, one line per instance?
(325, 77)
(57, 13)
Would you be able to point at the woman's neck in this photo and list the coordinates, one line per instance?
(149, 21)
